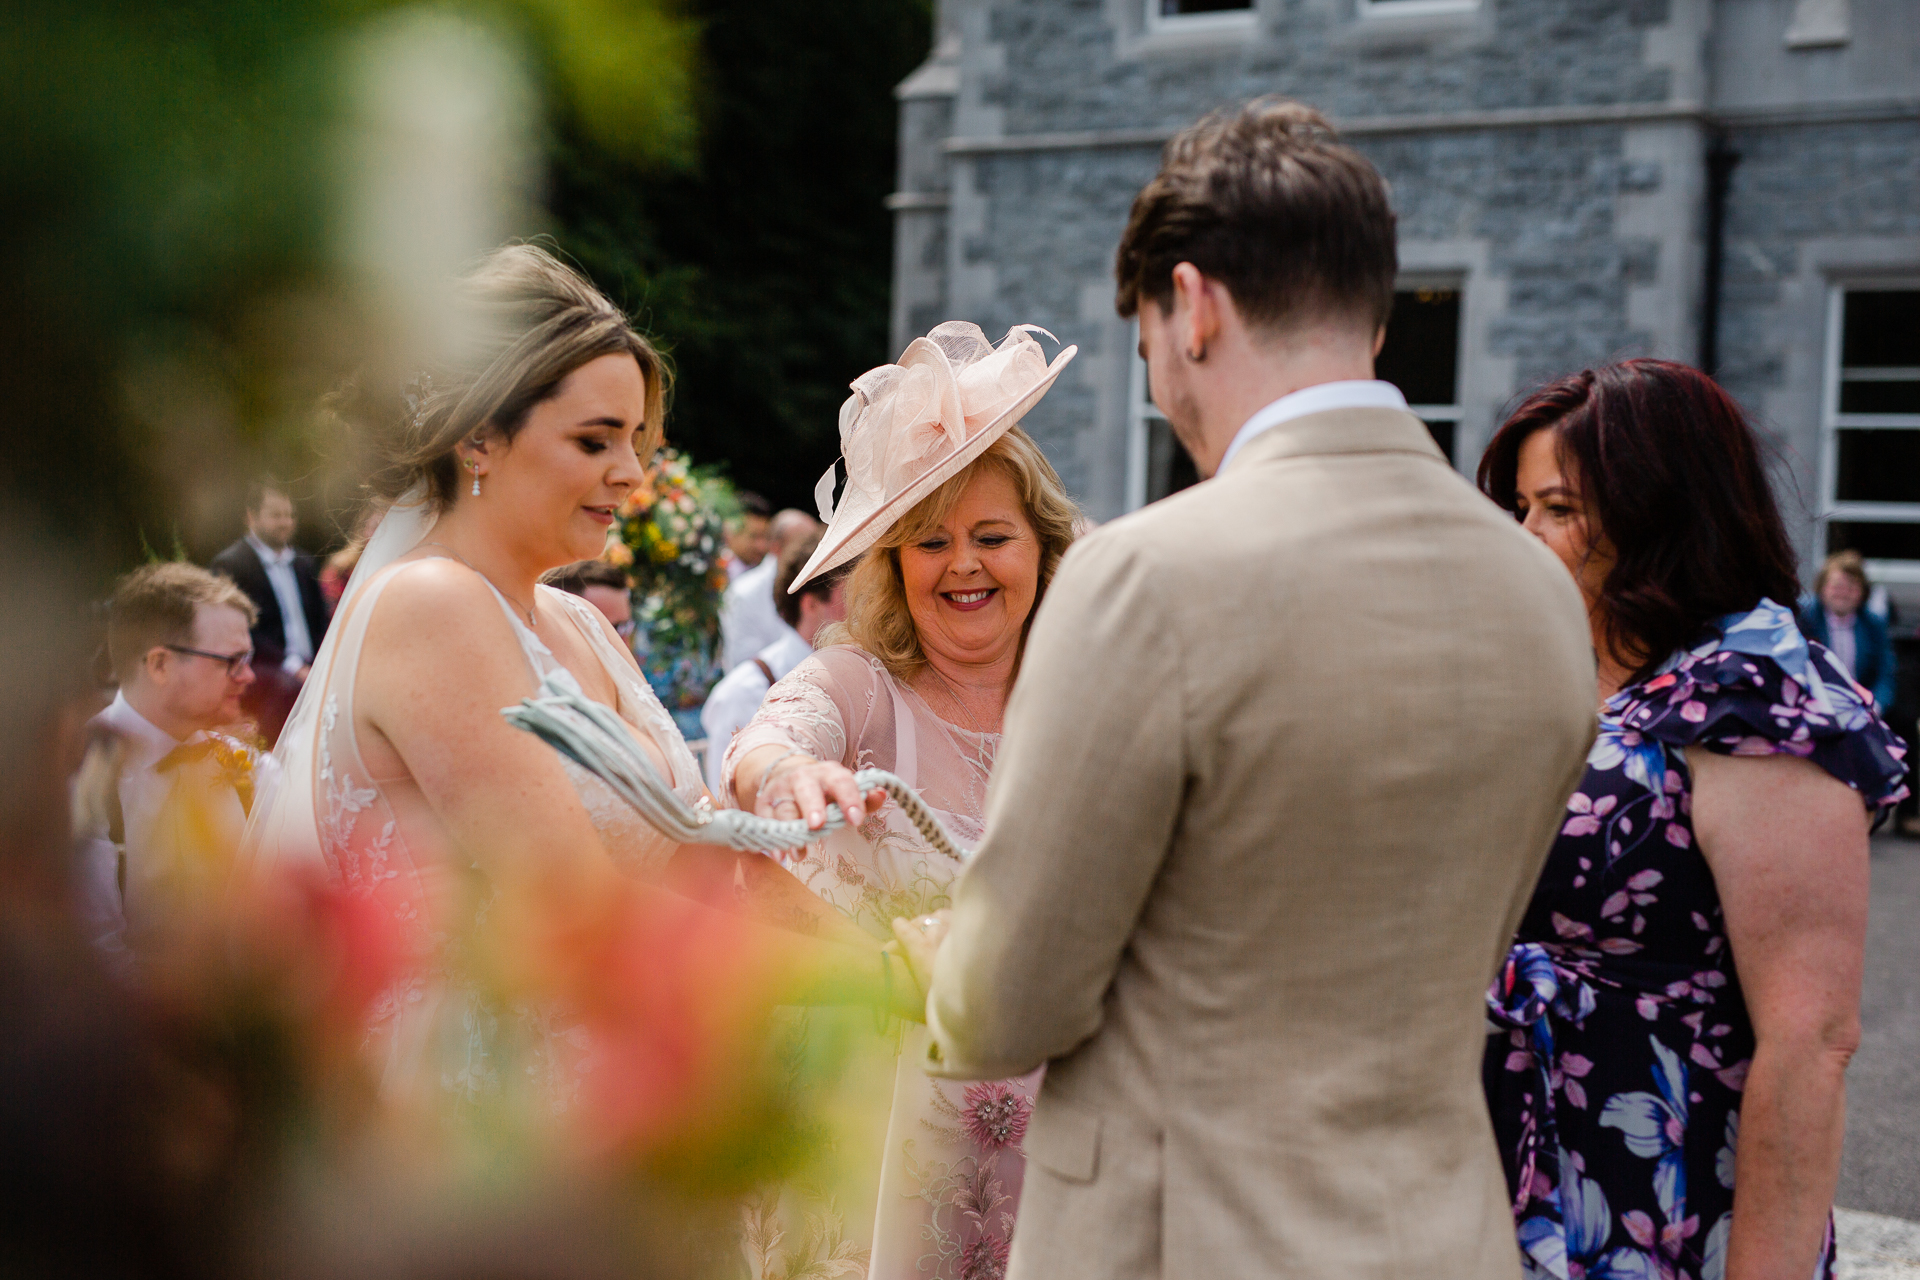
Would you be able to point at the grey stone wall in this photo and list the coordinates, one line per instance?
(1546, 155)
(1089, 64)
(1810, 206)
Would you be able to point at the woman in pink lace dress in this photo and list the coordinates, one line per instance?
(962, 523)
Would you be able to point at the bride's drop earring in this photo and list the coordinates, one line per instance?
(475, 468)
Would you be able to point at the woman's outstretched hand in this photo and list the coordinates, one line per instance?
(799, 786)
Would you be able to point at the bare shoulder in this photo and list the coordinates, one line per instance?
(436, 613)
(433, 593)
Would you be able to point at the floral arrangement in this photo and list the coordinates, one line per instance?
(670, 538)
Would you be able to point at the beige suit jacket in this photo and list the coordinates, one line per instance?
(1285, 756)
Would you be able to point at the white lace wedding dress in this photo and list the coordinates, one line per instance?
(941, 1193)
(374, 837)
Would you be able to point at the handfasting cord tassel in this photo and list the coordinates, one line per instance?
(596, 739)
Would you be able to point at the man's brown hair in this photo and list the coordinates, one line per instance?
(575, 578)
(1265, 199)
(820, 586)
(156, 605)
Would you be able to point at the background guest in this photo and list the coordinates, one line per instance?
(291, 613)
(1836, 615)
(748, 620)
(602, 585)
(341, 564)
(734, 700)
(1676, 1015)
(160, 796)
(747, 535)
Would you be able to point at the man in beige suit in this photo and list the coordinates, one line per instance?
(1285, 755)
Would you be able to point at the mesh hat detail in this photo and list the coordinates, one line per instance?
(910, 427)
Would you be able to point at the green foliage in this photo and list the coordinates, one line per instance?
(766, 268)
(170, 196)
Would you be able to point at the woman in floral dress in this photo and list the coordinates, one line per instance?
(966, 522)
(1694, 948)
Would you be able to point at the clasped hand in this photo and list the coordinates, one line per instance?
(917, 941)
(800, 787)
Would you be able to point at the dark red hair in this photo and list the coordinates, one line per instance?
(1672, 472)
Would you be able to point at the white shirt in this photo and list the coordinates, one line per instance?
(748, 620)
(1351, 394)
(286, 590)
(738, 695)
(1843, 639)
(157, 827)
(142, 792)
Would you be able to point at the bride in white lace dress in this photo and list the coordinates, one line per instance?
(966, 522)
(401, 777)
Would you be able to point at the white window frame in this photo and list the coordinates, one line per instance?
(1141, 414)
(1443, 282)
(1248, 18)
(1371, 10)
(1832, 422)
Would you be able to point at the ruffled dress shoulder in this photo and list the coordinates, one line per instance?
(1757, 686)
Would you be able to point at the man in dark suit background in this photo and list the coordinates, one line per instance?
(284, 585)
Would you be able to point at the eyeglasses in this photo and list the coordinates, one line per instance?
(236, 662)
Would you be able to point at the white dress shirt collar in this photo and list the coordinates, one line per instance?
(286, 592)
(147, 741)
(1352, 394)
(269, 558)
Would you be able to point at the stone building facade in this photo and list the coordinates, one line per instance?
(1734, 183)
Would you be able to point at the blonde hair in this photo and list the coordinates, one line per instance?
(157, 604)
(1850, 563)
(530, 321)
(877, 616)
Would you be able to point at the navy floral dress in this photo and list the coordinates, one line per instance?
(1620, 1041)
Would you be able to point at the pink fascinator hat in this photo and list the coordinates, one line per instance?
(910, 427)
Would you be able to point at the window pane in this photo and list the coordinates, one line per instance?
(1882, 327)
(1422, 351)
(1174, 8)
(1169, 468)
(1443, 433)
(1880, 397)
(1875, 541)
(1878, 466)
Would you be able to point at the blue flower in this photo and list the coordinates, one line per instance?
(1655, 1127)
(1576, 1247)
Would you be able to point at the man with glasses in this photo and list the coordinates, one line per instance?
(162, 795)
(602, 585)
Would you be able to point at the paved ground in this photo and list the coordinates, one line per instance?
(1879, 1224)
(1875, 1247)
(1880, 1172)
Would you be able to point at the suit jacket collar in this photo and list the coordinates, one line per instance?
(1339, 431)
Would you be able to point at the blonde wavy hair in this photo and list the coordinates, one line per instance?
(878, 619)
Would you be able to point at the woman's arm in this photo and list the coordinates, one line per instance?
(1787, 843)
(759, 888)
(440, 661)
(800, 741)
